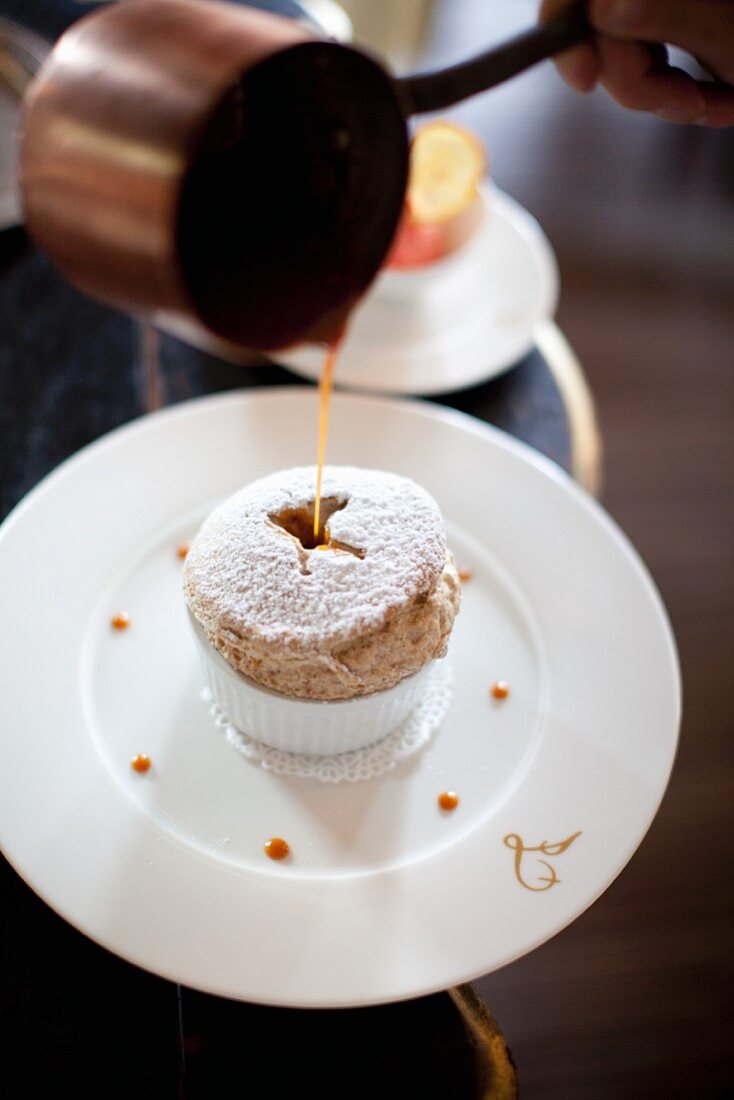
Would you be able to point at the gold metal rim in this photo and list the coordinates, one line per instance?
(586, 445)
(497, 1075)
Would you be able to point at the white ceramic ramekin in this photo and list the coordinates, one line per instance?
(305, 725)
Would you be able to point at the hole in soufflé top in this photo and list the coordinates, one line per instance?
(298, 523)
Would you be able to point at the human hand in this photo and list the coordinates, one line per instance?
(629, 58)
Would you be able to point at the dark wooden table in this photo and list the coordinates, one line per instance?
(636, 998)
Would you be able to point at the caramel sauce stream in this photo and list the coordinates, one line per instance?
(325, 386)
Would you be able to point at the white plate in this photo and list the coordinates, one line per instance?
(385, 896)
(462, 321)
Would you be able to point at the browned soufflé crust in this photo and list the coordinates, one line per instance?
(373, 603)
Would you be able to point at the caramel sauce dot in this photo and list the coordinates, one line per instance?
(465, 573)
(277, 848)
(182, 549)
(500, 690)
(141, 762)
(121, 621)
(449, 800)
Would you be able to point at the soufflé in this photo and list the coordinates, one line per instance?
(368, 601)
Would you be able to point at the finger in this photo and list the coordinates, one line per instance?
(719, 106)
(637, 78)
(579, 66)
(704, 28)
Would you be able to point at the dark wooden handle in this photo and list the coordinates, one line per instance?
(434, 91)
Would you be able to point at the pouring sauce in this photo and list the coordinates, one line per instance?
(325, 386)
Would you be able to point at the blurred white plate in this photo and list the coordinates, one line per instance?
(384, 896)
(455, 323)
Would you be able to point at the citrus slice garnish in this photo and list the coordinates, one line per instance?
(446, 166)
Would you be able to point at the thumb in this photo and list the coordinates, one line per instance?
(579, 66)
(704, 28)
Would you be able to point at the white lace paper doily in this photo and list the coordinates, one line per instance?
(351, 767)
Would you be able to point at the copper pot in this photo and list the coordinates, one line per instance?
(225, 172)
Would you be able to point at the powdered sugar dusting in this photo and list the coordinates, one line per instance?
(250, 578)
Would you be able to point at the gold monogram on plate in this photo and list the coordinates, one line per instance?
(521, 849)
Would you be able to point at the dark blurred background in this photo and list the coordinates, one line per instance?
(635, 998)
